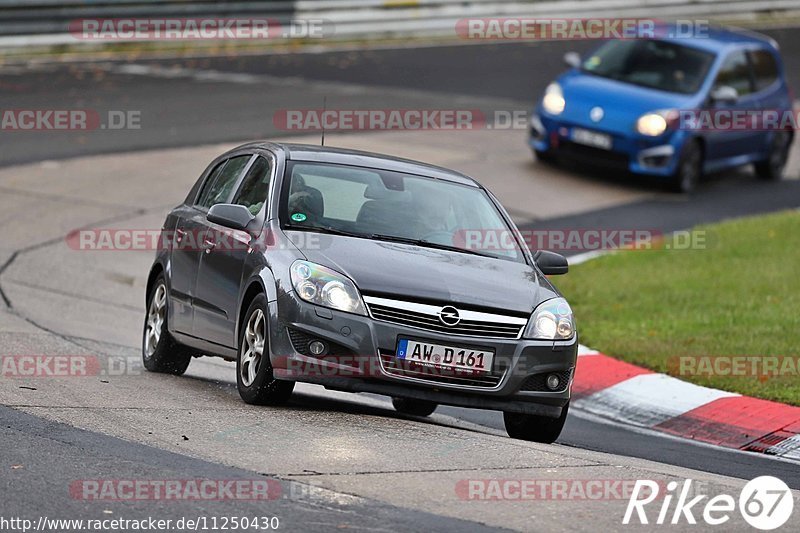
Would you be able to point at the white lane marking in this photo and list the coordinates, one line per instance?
(585, 350)
(649, 399)
(788, 449)
(577, 259)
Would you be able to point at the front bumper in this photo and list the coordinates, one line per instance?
(656, 156)
(360, 348)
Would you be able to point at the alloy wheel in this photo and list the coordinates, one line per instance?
(252, 352)
(155, 320)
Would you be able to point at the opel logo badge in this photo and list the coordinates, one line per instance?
(449, 316)
(596, 114)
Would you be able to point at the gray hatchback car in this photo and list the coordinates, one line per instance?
(363, 273)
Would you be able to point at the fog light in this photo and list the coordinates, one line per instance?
(553, 382)
(317, 347)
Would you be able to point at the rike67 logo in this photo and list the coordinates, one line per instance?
(766, 503)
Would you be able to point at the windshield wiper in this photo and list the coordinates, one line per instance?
(389, 238)
(427, 244)
(326, 229)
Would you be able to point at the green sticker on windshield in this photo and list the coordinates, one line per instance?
(299, 217)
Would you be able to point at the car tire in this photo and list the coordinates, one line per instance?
(771, 169)
(160, 352)
(414, 407)
(690, 168)
(535, 428)
(254, 377)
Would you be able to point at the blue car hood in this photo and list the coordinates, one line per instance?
(622, 103)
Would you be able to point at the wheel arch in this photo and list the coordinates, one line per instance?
(701, 143)
(261, 283)
(155, 270)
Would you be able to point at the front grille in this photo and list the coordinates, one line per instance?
(399, 367)
(589, 155)
(425, 316)
(538, 382)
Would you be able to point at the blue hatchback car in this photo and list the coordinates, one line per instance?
(638, 105)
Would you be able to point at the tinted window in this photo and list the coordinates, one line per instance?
(651, 63)
(735, 72)
(212, 176)
(255, 187)
(765, 68)
(219, 186)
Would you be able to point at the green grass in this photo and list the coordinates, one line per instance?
(738, 296)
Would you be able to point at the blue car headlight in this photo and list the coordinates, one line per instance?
(323, 286)
(655, 123)
(552, 320)
(553, 101)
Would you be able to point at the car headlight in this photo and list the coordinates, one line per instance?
(553, 101)
(654, 123)
(552, 320)
(323, 286)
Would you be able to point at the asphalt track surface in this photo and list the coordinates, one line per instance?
(184, 103)
(189, 105)
(56, 455)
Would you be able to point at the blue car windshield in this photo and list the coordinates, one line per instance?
(661, 65)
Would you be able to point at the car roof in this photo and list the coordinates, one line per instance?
(358, 158)
(718, 38)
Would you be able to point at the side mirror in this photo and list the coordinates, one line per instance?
(572, 59)
(724, 94)
(230, 215)
(551, 263)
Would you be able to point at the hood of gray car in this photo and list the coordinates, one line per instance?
(404, 271)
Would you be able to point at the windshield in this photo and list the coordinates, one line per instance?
(650, 63)
(392, 206)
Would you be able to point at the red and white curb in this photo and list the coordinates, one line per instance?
(628, 394)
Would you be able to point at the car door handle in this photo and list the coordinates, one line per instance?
(209, 245)
(179, 234)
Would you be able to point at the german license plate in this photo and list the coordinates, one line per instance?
(591, 138)
(441, 356)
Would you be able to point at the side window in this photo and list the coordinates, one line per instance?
(765, 68)
(735, 72)
(212, 177)
(219, 187)
(255, 186)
